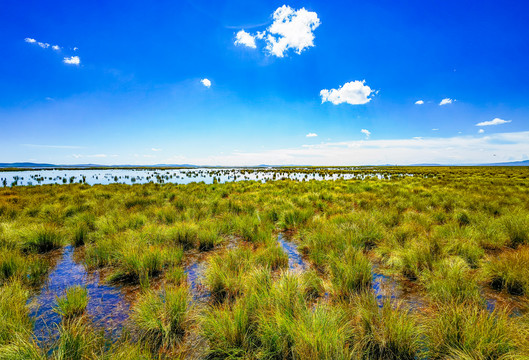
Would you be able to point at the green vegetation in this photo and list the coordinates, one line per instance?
(444, 238)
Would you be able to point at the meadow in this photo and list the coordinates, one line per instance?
(391, 263)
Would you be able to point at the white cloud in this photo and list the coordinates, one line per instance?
(56, 47)
(312, 135)
(435, 129)
(206, 82)
(244, 38)
(481, 131)
(43, 45)
(419, 102)
(30, 40)
(75, 48)
(451, 150)
(353, 92)
(446, 101)
(496, 121)
(366, 132)
(73, 60)
(155, 149)
(291, 29)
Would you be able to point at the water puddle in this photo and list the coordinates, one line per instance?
(515, 305)
(195, 273)
(107, 306)
(295, 260)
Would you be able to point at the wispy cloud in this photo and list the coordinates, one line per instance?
(311, 135)
(353, 92)
(496, 121)
(449, 150)
(72, 60)
(446, 101)
(366, 132)
(155, 149)
(53, 146)
(419, 102)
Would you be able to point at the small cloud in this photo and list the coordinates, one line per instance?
(73, 60)
(43, 45)
(206, 82)
(244, 38)
(75, 48)
(481, 131)
(366, 132)
(30, 40)
(496, 121)
(446, 101)
(353, 92)
(49, 98)
(155, 149)
(56, 47)
(312, 135)
(419, 102)
(435, 129)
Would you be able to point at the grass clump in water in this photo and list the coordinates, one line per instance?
(73, 304)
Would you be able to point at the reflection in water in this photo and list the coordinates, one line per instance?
(295, 261)
(195, 272)
(106, 307)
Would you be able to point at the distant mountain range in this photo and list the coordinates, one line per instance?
(30, 165)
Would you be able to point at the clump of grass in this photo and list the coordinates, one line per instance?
(80, 235)
(225, 272)
(73, 303)
(463, 331)
(451, 281)
(16, 323)
(12, 265)
(509, 271)
(517, 229)
(350, 273)
(43, 239)
(383, 333)
(271, 256)
(312, 284)
(160, 319)
(78, 341)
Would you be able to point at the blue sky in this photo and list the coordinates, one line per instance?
(318, 82)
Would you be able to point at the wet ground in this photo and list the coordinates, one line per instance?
(295, 260)
(107, 306)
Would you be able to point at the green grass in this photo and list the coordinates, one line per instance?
(446, 237)
(73, 303)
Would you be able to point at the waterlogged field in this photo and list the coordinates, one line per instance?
(180, 176)
(377, 264)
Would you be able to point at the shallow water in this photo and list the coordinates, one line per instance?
(175, 176)
(295, 260)
(195, 273)
(107, 306)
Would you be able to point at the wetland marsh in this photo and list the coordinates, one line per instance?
(288, 263)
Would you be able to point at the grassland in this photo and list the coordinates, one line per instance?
(455, 241)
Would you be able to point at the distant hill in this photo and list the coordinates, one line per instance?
(30, 165)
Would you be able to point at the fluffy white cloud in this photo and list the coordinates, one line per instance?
(419, 102)
(30, 40)
(206, 82)
(56, 47)
(155, 149)
(43, 45)
(481, 131)
(353, 92)
(244, 38)
(75, 48)
(312, 135)
(496, 121)
(291, 29)
(72, 60)
(366, 132)
(446, 101)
